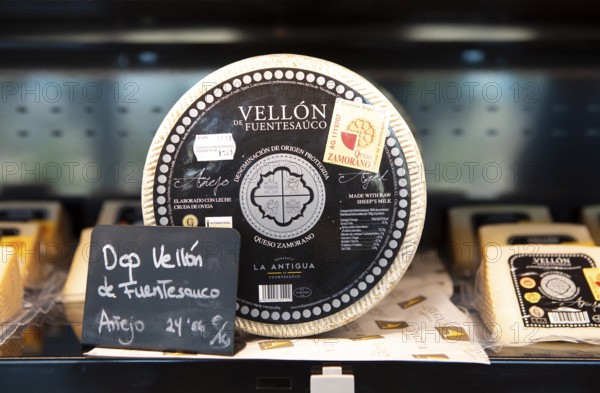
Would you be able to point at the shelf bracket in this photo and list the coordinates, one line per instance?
(332, 380)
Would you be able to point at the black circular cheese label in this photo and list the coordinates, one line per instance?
(308, 171)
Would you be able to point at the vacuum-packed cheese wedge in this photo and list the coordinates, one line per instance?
(590, 216)
(534, 233)
(11, 287)
(51, 216)
(11, 348)
(314, 167)
(74, 289)
(466, 220)
(531, 293)
(121, 212)
(24, 238)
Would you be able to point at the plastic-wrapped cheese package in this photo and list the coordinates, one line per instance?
(465, 221)
(52, 218)
(532, 293)
(24, 238)
(317, 171)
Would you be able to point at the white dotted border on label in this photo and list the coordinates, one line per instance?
(347, 93)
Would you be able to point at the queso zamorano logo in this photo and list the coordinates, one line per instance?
(359, 133)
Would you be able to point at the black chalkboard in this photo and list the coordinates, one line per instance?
(162, 288)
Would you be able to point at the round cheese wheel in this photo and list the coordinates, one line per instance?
(316, 170)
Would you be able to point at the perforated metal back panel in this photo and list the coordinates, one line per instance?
(487, 135)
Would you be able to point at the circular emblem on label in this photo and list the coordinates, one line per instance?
(558, 287)
(536, 311)
(282, 196)
(527, 282)
(302, 292)
(189, 220)
(532, 297)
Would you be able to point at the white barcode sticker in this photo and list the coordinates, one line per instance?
(275, 293)
(569, 317)
(214, 147)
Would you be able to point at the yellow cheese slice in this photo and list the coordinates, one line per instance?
(25, 239)
(11, 287)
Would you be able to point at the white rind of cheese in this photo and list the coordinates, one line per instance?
(463, 238)
(11, 286)
(74, 289)
(499, 305)
(590, 216)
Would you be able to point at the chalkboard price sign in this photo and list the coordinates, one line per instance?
(162, 288)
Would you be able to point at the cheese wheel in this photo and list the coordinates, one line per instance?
(532, 293)
(74, 289)
(11, 287)
(316, 170)
(25, 239)
(466, 220)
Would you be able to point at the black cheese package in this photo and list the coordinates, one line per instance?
(316, 170)
(530, 293)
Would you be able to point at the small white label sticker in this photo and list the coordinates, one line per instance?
(218, 222)
(214, 147)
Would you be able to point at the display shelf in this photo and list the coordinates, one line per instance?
(53, 361)
(542, 133)
(50, 350)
